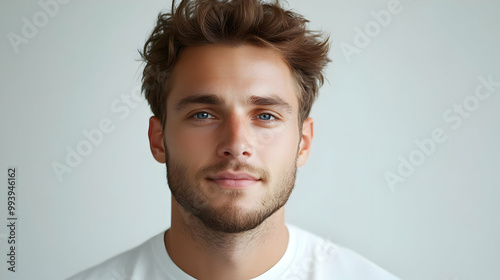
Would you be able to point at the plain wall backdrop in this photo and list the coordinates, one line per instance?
(405, 161)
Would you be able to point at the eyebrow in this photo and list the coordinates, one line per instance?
(272, 100)
(211, 99)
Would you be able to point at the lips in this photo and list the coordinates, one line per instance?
(234, 180)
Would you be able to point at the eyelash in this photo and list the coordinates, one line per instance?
(273, 117)
(202, 112)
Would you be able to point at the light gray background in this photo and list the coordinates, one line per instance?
(440, 223)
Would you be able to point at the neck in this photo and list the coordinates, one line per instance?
(205, 253)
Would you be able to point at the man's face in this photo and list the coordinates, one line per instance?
(231, 136)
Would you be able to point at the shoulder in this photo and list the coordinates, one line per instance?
(318, 258)
(123, 265)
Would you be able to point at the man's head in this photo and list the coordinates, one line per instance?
(228, 81)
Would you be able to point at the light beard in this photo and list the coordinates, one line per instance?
(228, 218)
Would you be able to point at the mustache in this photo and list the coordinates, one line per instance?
(236, 166)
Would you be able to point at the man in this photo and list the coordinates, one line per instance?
(231, 84)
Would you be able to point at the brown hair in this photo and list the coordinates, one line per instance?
(234, 22)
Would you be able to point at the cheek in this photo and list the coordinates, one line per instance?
(188, 147)
(277, 145)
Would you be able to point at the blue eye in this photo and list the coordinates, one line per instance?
(265, 117)
(203, 115)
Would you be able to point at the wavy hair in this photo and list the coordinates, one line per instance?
(233, 22)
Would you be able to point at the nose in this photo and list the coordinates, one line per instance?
(236, 139)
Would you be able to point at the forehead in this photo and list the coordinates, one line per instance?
(234, 73)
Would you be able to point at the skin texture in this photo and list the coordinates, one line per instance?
(232, 145)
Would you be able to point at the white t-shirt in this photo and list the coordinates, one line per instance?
(307, 257)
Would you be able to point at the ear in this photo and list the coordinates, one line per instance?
(305, 142)
(155, 134)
